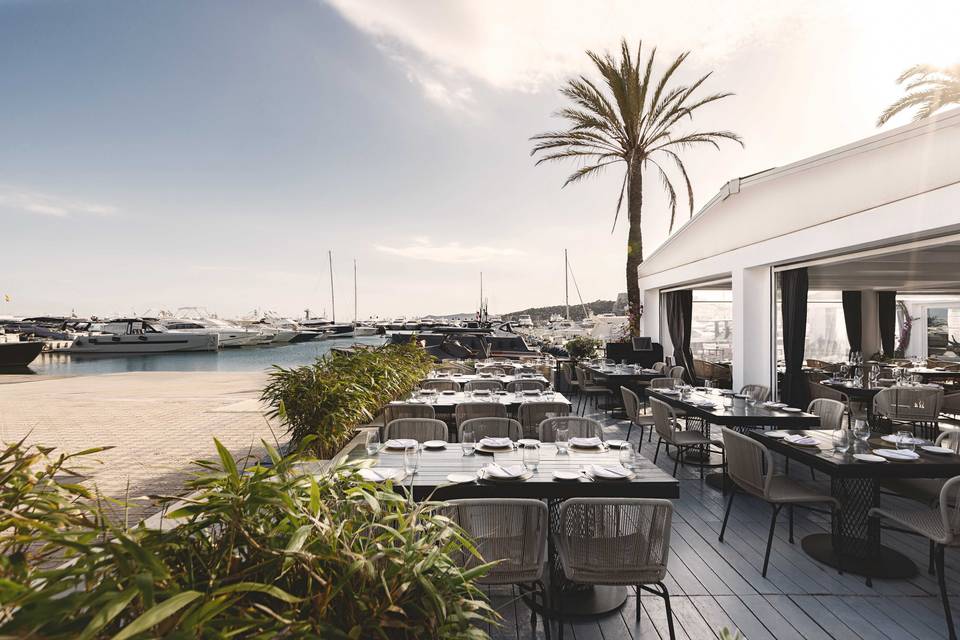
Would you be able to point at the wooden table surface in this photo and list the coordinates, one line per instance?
(436, 465)
(749, 416)
(451, 400)
(469, 377)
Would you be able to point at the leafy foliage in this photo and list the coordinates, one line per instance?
(330, 398)
(582, 347)
(928, 88)
(262, 552)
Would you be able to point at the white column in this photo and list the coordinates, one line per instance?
(870, 322)
(752, 327)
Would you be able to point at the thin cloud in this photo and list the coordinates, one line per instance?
(450, 253)
(44, 204)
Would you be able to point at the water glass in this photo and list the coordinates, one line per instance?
(841, 441)
(411, 460)
(628, 456)
(531, 457)
(905, 440)
(373, 442)
(561, 435)
(861, 430)
(467, 441)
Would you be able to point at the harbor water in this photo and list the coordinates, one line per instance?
(242, 359)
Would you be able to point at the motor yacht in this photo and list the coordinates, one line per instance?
(230, 336)
(140, 336)
(16, 353)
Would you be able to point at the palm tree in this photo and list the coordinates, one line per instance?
(930, 88)
(634, 119)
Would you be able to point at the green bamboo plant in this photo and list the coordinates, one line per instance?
(330, 398)
(259, 552)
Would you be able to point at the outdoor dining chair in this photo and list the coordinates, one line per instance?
(577, 427)
(659, 366)
(665, 424)
(589, 390)
(494, 371)
(626, 541)
(419, 429)
(469, 410)
(525, 385)
(512, 532)
(663, 383)
(941, 526)
(491, 428)
(756, 392)
(750, 467)
(483, 385)
(531, 414)
(440, 385)
(915, 407)
(452, 367)
(396, 410)
(923, 490)
(631, 406)
(677, 373)
(569, 377)
(830, 412)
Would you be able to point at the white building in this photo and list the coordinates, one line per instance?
(880, 214)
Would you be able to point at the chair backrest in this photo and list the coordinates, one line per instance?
(491, 428)
(749, 463)
(659, 366)
(663, 383)
(525, 385)
(631, 403)
(577, 428)
(420, 429)
(440, 385)
(512, 531)
(950, 439)
(397, 410)
(830, 412)
(495, 371)
(951, 404)
(483, 385)
(582, 378)
(569, 377)
(664, 419)
(452, 367)
(818, 390)
(470, 410)
(615, 540)
(919, 404)
(950, 507)
(531, 414)
(677, 373)
(756, 392)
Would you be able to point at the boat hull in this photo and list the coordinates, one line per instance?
(18, 354)
(136, 344)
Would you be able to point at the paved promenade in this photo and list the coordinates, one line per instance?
(157, 421)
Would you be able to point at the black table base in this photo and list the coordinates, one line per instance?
(592, 602)
(887, 564)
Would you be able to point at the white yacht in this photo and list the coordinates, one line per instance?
(230, 336)
(524, 321)
(136, 335)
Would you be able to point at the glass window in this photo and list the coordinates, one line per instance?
(826, 332)
(943, 331)
(711, 327)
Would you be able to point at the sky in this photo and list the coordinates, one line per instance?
(155, 155)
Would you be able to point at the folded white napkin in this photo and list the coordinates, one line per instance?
(798, 439)
(495, 443)
(401, 443)
(614, 472)
(897, 454)
(531, 392)
(895, 439)
(499, 471)
(378, 475)
(482, 392)
(586, 442)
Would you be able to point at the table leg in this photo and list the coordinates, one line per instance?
(851, 545)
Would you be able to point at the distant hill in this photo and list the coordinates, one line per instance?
(542, 314)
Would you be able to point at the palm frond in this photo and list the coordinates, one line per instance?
(929, 90)
(686, 178)
(584, 172)
(668, 186)
(623, 188)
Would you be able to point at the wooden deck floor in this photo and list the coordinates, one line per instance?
(715, 585)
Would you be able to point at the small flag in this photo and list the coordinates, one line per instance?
(6, 297)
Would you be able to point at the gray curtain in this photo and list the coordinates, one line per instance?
(887, 314)
(853, 319)
(678, 306)
(794, 285)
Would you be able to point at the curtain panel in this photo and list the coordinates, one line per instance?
(794, 286)
(887, 315)
(678, 306)
(853, 319)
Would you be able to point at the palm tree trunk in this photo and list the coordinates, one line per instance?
(634, 246)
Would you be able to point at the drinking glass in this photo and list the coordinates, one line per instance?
(373, 441)
(861, 430)
(411, 460)
(627, 456)
(562, 434)
(467, 440)
(841, 440)
(905, 440)
(531, 457)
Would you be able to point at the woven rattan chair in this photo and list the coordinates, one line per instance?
(494, 371)
(470, 410)
(756, 392)
(578, 427)
(452, 367)
(440, 385)
(677, 373)
(659, 366)
(491, 428)
(916, 407)
(531, 414)
(830, 412)
(631, 406)
(483, 385)
(665, 423)
(605, 541)
(941, 526)
(397, 410)
(750, 467)
(525, 385)
(924, 490)
(419, 429)
(589, 390)
(818, 390)
(663, 383)
(569, 377)
(511, 532)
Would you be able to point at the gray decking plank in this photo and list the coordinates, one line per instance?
(805, 625)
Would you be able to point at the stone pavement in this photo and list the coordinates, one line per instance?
(158, 423)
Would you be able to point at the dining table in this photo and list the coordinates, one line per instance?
(451, 472)
(855, 484)
(446, 400)
(462, 378)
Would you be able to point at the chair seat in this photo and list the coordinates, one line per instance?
(685, 438)
(925, 490)
(644, 420)
(595, 389)
(926, 522)
(787, 490)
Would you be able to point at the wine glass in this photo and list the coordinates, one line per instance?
(373, 442)
(467, 441)
(531, 456)
(905, 440)
(561, 435)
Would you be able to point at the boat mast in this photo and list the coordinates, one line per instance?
(355, 316)
(566, 282)
(333, 306)
(480, 312)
